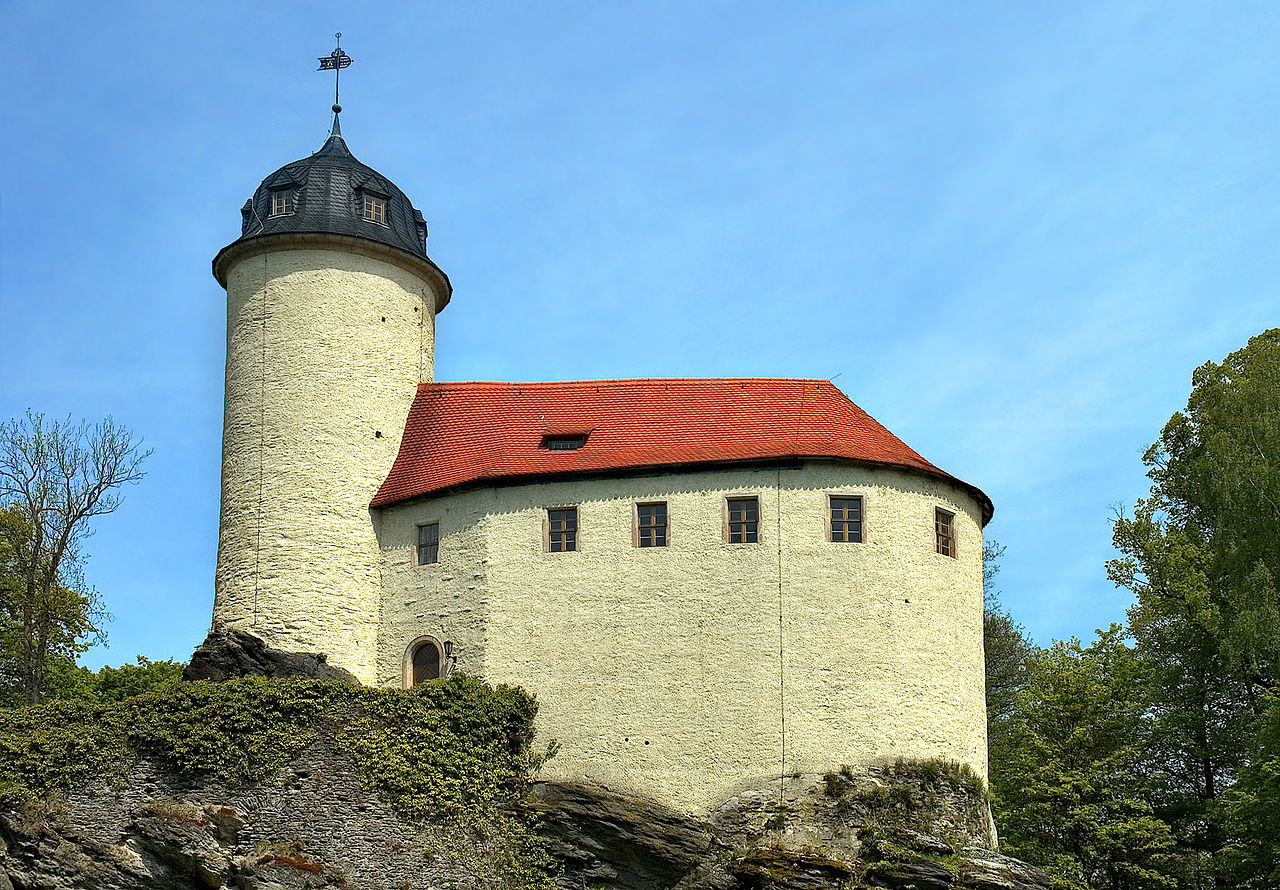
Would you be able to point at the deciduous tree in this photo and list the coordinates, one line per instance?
(56, 477)
(1201, 556)
(1077, 744)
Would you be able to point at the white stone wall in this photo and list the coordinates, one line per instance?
(325, 349)
(669, 671)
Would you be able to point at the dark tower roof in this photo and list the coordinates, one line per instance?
(324, 193)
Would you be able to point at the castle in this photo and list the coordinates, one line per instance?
(707, 583)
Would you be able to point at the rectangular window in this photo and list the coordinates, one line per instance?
(944, 532)
(428, 543)
(562, 529)
(744, 520)
(282, 202)
(651, 525)
(375, 209)
(846, 518)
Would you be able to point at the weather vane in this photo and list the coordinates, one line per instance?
(336, 61)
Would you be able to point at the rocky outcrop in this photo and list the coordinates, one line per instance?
(901, 826)
(320, 827)
(228, 653)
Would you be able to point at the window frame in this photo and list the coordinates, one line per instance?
(370, 203)
(862, 517)
(576, 531)
(944, 543)
(636, 528)
(727, 529)
(290, 200)
(417, 543)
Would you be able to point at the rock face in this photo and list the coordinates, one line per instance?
(898, 826)
(893, 827)
(228, 653)
(319, 828)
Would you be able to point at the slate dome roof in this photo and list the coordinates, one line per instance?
(327, 192)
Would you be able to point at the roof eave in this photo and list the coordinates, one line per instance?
(242, 248)
(783, 461)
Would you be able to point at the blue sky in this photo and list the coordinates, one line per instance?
(1009, 231)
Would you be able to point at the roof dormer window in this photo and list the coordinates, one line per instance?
(373, 208)
(562, 442)
(283, 202)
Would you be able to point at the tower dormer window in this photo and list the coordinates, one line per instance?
(373, 208)
(283, 202)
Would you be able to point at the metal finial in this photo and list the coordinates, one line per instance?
(335, 62)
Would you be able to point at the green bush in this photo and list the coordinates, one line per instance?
(451, 753)
(428, 751)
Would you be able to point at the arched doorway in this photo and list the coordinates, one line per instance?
(423, 661)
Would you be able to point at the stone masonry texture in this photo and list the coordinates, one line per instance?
(669, 671)
(325, 350)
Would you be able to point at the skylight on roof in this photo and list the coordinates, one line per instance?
(564, 442)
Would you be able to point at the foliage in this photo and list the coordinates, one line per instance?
(55, 478)
(127, 680)
(1005, 644)
(66, 681)
(1007, 651)
(1200, 556)
(452, 754)
(428, 751)
(1251, 855)
(1077, 804)
(62, 620)
(1198, 702)
(1159, 765)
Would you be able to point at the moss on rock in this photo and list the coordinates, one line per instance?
(451, 756)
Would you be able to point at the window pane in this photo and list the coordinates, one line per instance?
(943, 533)
(744, 514)
(846, 519)
(428, 543)
(651, 524)
(561, 526)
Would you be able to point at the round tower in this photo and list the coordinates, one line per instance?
(331, 304)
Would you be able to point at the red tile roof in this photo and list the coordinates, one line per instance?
(464, 433)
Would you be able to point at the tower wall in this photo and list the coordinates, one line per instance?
(690, 671)
(325, 348)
